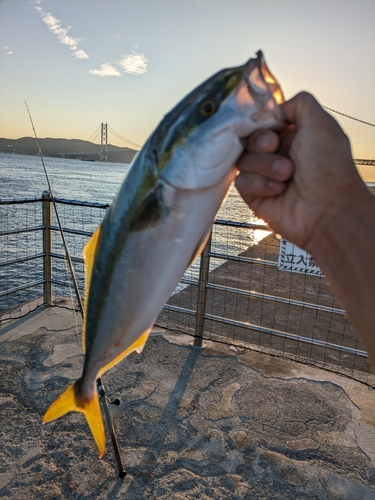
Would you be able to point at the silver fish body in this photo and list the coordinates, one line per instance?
(163, 213)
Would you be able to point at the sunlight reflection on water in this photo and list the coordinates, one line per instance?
(23, 176)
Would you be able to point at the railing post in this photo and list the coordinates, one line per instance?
(202, 291)
(47, 247)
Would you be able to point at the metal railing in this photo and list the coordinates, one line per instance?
(46, 256)
(213, 300)
(204, 285)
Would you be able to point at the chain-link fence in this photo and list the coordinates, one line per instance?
(21, 261)
(247, 300)
(33, 265)
(235, 293)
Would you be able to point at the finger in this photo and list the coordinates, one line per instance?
(251, 186)
(262, 141)
(271, 166)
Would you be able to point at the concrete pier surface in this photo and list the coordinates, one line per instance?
(211, 422)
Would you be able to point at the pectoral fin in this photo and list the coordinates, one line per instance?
(150, 211)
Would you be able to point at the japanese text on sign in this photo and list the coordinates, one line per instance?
(293, 258)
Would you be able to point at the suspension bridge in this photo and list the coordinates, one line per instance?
(100, 145)
(361, 134)
(104, 151)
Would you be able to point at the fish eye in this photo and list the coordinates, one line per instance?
(207, 108)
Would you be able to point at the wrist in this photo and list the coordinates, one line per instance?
(343, 215)
(345, 253)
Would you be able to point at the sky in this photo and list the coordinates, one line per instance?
(78, 63)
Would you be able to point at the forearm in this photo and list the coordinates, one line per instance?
(345, 251)
(318, 202)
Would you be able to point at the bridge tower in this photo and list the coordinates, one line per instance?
(104, 143)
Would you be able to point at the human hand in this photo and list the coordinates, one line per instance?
(301, 180)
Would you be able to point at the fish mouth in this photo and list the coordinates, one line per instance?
(261, 83)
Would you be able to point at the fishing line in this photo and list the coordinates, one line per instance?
(100, 387)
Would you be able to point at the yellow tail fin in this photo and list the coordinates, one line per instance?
(67, 402)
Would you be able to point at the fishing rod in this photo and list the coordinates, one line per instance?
(78, 295)
(100, 387)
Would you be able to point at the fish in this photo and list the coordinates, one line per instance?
(161, 219)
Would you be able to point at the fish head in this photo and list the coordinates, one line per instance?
(202, 137)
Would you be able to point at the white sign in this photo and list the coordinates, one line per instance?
(294, 259)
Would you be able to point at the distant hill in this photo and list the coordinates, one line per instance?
(66, 148)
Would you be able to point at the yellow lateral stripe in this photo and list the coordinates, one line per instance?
(67, 402)
(138, 346)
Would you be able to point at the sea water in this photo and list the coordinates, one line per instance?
(22, 176)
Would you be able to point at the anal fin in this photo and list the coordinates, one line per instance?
(137, 346)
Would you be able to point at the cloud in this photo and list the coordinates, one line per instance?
(106, 69)
(135, 63)
(80, 54)
(54, 25)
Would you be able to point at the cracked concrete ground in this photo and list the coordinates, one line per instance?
(210, 423)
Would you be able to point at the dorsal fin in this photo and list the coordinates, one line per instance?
(89, 253)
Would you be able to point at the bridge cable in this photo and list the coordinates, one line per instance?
(347, 116)
(124, 138)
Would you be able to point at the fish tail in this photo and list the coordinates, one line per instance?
(70, 400)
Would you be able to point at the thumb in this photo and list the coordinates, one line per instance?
(303, 110)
